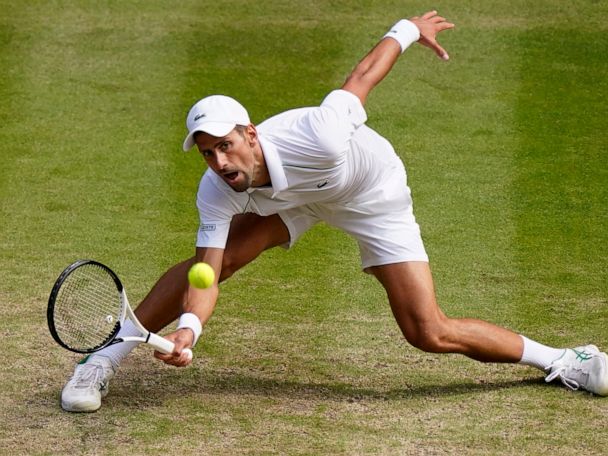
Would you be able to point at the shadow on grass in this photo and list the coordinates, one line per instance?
(136, 392)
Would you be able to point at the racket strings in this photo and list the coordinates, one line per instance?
(88, 308)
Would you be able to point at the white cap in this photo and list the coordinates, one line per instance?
(216, 115)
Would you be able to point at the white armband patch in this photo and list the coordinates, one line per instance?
(405, 33)
(191, 321)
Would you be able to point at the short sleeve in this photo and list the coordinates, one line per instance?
(347, 105)
(216, 207)
(331, 125)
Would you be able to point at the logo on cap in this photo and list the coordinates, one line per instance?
(216, 115)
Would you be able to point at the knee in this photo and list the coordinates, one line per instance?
(230, 265)
(431, 337)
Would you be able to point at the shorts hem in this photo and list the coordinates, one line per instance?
(365, 266)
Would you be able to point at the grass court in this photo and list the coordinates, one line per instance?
(506, 152)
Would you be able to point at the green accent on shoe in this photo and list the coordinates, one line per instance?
(582, 355)
(84, 360)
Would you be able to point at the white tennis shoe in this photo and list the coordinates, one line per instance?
(582, 367)
(89, 383)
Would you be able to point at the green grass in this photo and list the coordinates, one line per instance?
(505, 147)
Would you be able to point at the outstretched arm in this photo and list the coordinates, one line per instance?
(199, 304)
(376, 65)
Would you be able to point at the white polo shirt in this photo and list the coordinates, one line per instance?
(321, 154)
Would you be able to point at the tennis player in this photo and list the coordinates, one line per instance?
(267, 185)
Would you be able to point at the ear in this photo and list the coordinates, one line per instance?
(251, 134)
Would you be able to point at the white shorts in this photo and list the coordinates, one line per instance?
(381, 219)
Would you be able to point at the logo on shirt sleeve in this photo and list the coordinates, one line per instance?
(208, 227)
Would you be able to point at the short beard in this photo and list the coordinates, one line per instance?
(243, 186)
(248, 182)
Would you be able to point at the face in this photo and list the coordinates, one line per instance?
(237, 158)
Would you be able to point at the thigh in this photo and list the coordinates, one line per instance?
(410, 290)
(381, 218)
(387, 233)
(251, 234)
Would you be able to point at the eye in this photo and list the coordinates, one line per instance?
(206, 153)
(225, 146)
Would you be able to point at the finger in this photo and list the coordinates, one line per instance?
(159, 355)
(181, 360)
(441, 52)
(445, 26)
(167, 357)
(186, 356)
(171, 360)
(437, 19)
(429, 15)
(434, 45)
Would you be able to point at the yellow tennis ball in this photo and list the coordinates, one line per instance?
(201, 275)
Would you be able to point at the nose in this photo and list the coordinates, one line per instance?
(221, 161)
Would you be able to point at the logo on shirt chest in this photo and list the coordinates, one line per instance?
(322, 184)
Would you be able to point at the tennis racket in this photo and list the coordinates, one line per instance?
(87, 307)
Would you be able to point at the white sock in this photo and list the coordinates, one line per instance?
(117, 352)
(539, 355)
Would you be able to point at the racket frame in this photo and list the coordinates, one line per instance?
(158, 342)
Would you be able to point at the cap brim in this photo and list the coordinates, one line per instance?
(217, 129)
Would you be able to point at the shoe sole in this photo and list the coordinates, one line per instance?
(602, 387)
(80, 408)
(83, 406)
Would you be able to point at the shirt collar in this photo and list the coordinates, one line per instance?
(278, 180)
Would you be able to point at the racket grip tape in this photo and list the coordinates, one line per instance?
(160, 343)
(165, 346)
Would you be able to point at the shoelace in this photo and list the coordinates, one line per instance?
(560, 372)
(88, 375)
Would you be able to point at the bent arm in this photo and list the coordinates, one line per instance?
(379, 61)
(372, 69)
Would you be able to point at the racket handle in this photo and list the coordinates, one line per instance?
(165, 346)
(161, 344)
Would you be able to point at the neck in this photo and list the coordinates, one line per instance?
(261, 176)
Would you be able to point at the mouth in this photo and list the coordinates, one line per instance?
(231, 177)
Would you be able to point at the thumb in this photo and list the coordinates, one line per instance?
(441, 53)
(434, 45)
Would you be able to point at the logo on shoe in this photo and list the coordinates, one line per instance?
(583, 355)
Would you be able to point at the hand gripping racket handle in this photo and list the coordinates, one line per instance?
(161, 344)
(165, 346)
